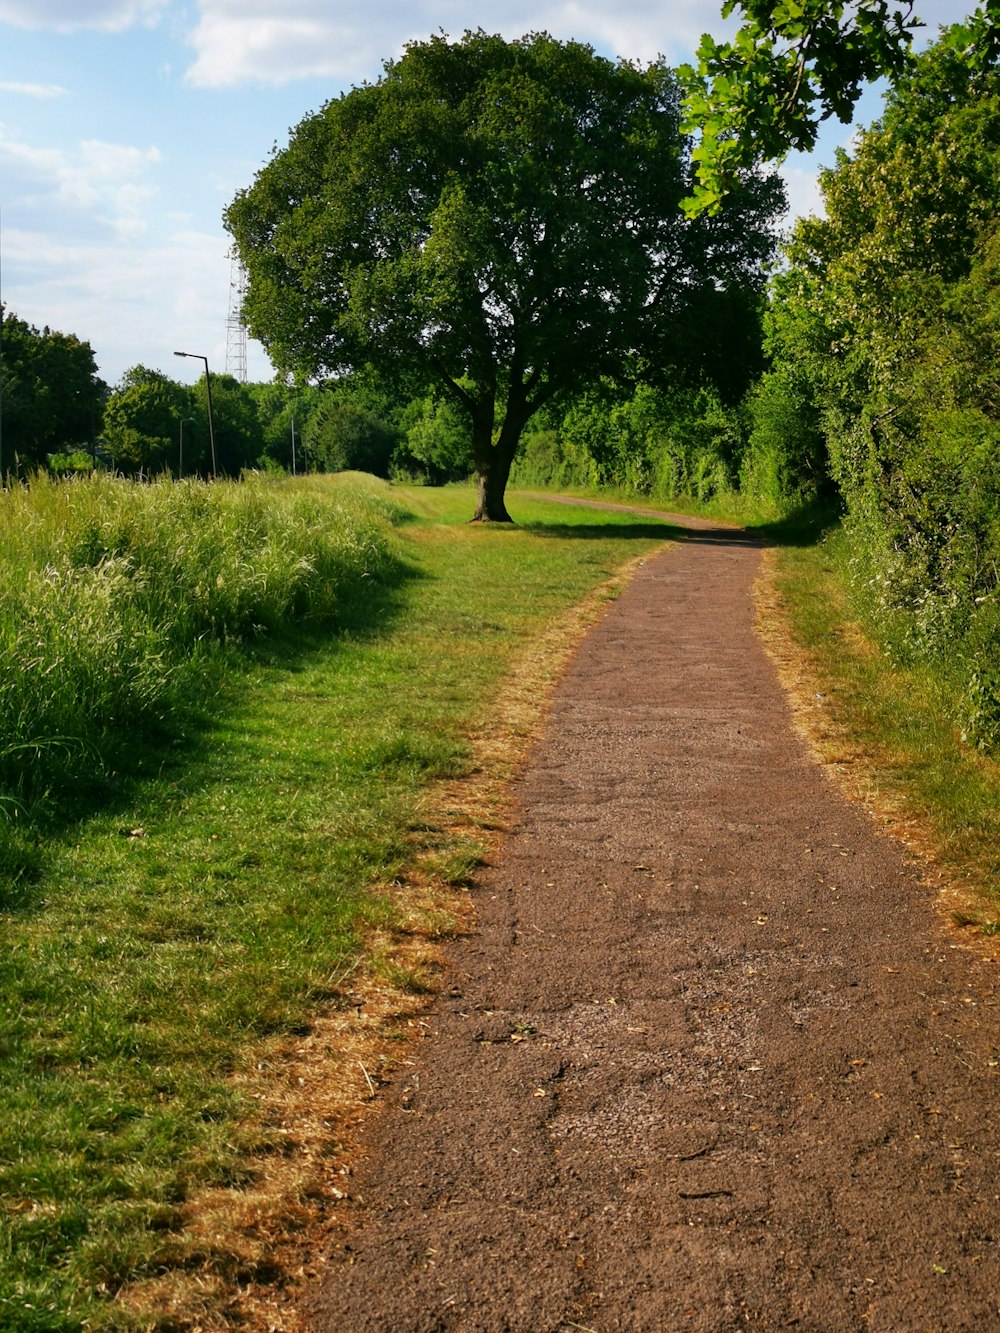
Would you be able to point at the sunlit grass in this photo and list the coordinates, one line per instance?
(220, 890)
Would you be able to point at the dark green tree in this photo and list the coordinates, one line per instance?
(142, 419)
(436, 443)
(344, 435)
(283, 411)
(50, 396)
(496, 220)
(239, 434)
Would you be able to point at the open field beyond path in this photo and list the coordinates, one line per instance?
(708, 1060)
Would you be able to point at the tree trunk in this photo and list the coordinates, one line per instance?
(491, 483)
(494, 461)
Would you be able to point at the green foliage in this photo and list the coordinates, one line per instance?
(497, 221)
(142, 419)
(239, 436)
(437, 444)
(51, 393)
(785, 456)
(885, 338)
(345, 436)
(652, 441)
(70, 461)
(792, 65)
(283, 409)
(143, 416)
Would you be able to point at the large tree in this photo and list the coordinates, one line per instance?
(500, 220)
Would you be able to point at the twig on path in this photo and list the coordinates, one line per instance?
(706, 1194)
(368, 1079)
(690, 1156)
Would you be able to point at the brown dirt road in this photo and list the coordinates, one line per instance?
(709, 1059)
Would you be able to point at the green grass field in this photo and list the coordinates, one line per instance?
(217, 876)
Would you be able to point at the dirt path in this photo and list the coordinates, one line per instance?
(709, 1060)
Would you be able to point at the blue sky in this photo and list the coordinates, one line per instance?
(126, 126)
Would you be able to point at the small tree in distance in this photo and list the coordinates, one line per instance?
(50, 393)
(497, 220)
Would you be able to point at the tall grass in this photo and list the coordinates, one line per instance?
(115, 596)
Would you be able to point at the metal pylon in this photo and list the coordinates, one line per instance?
(236, 330)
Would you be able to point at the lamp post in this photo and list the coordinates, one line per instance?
(180, 452)
(208, 389)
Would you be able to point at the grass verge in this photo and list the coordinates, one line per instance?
(886, 732)
(199, 977)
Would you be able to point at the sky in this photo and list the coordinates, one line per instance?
(127, 126)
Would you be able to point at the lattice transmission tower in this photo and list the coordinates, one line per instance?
(236, 330)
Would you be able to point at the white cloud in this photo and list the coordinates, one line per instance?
(73, 15)
(43, 90)
(238, 41)
(240, 48)
(277, 42)
(97, 181)
(135, 303)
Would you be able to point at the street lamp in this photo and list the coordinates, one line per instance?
(208, 388)
(180, 454)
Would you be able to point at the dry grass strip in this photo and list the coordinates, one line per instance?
(860, 772)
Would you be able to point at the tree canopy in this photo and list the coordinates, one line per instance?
(498, 220)
(142, 419)
(792, 65)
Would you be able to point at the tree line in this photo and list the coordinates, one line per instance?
(56, 414)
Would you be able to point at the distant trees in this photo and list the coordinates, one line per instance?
(239, 435)
(142, 416)
(55, 412)
(50, 394)
(437, 441)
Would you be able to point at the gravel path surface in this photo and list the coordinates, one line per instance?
(709, 1060)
